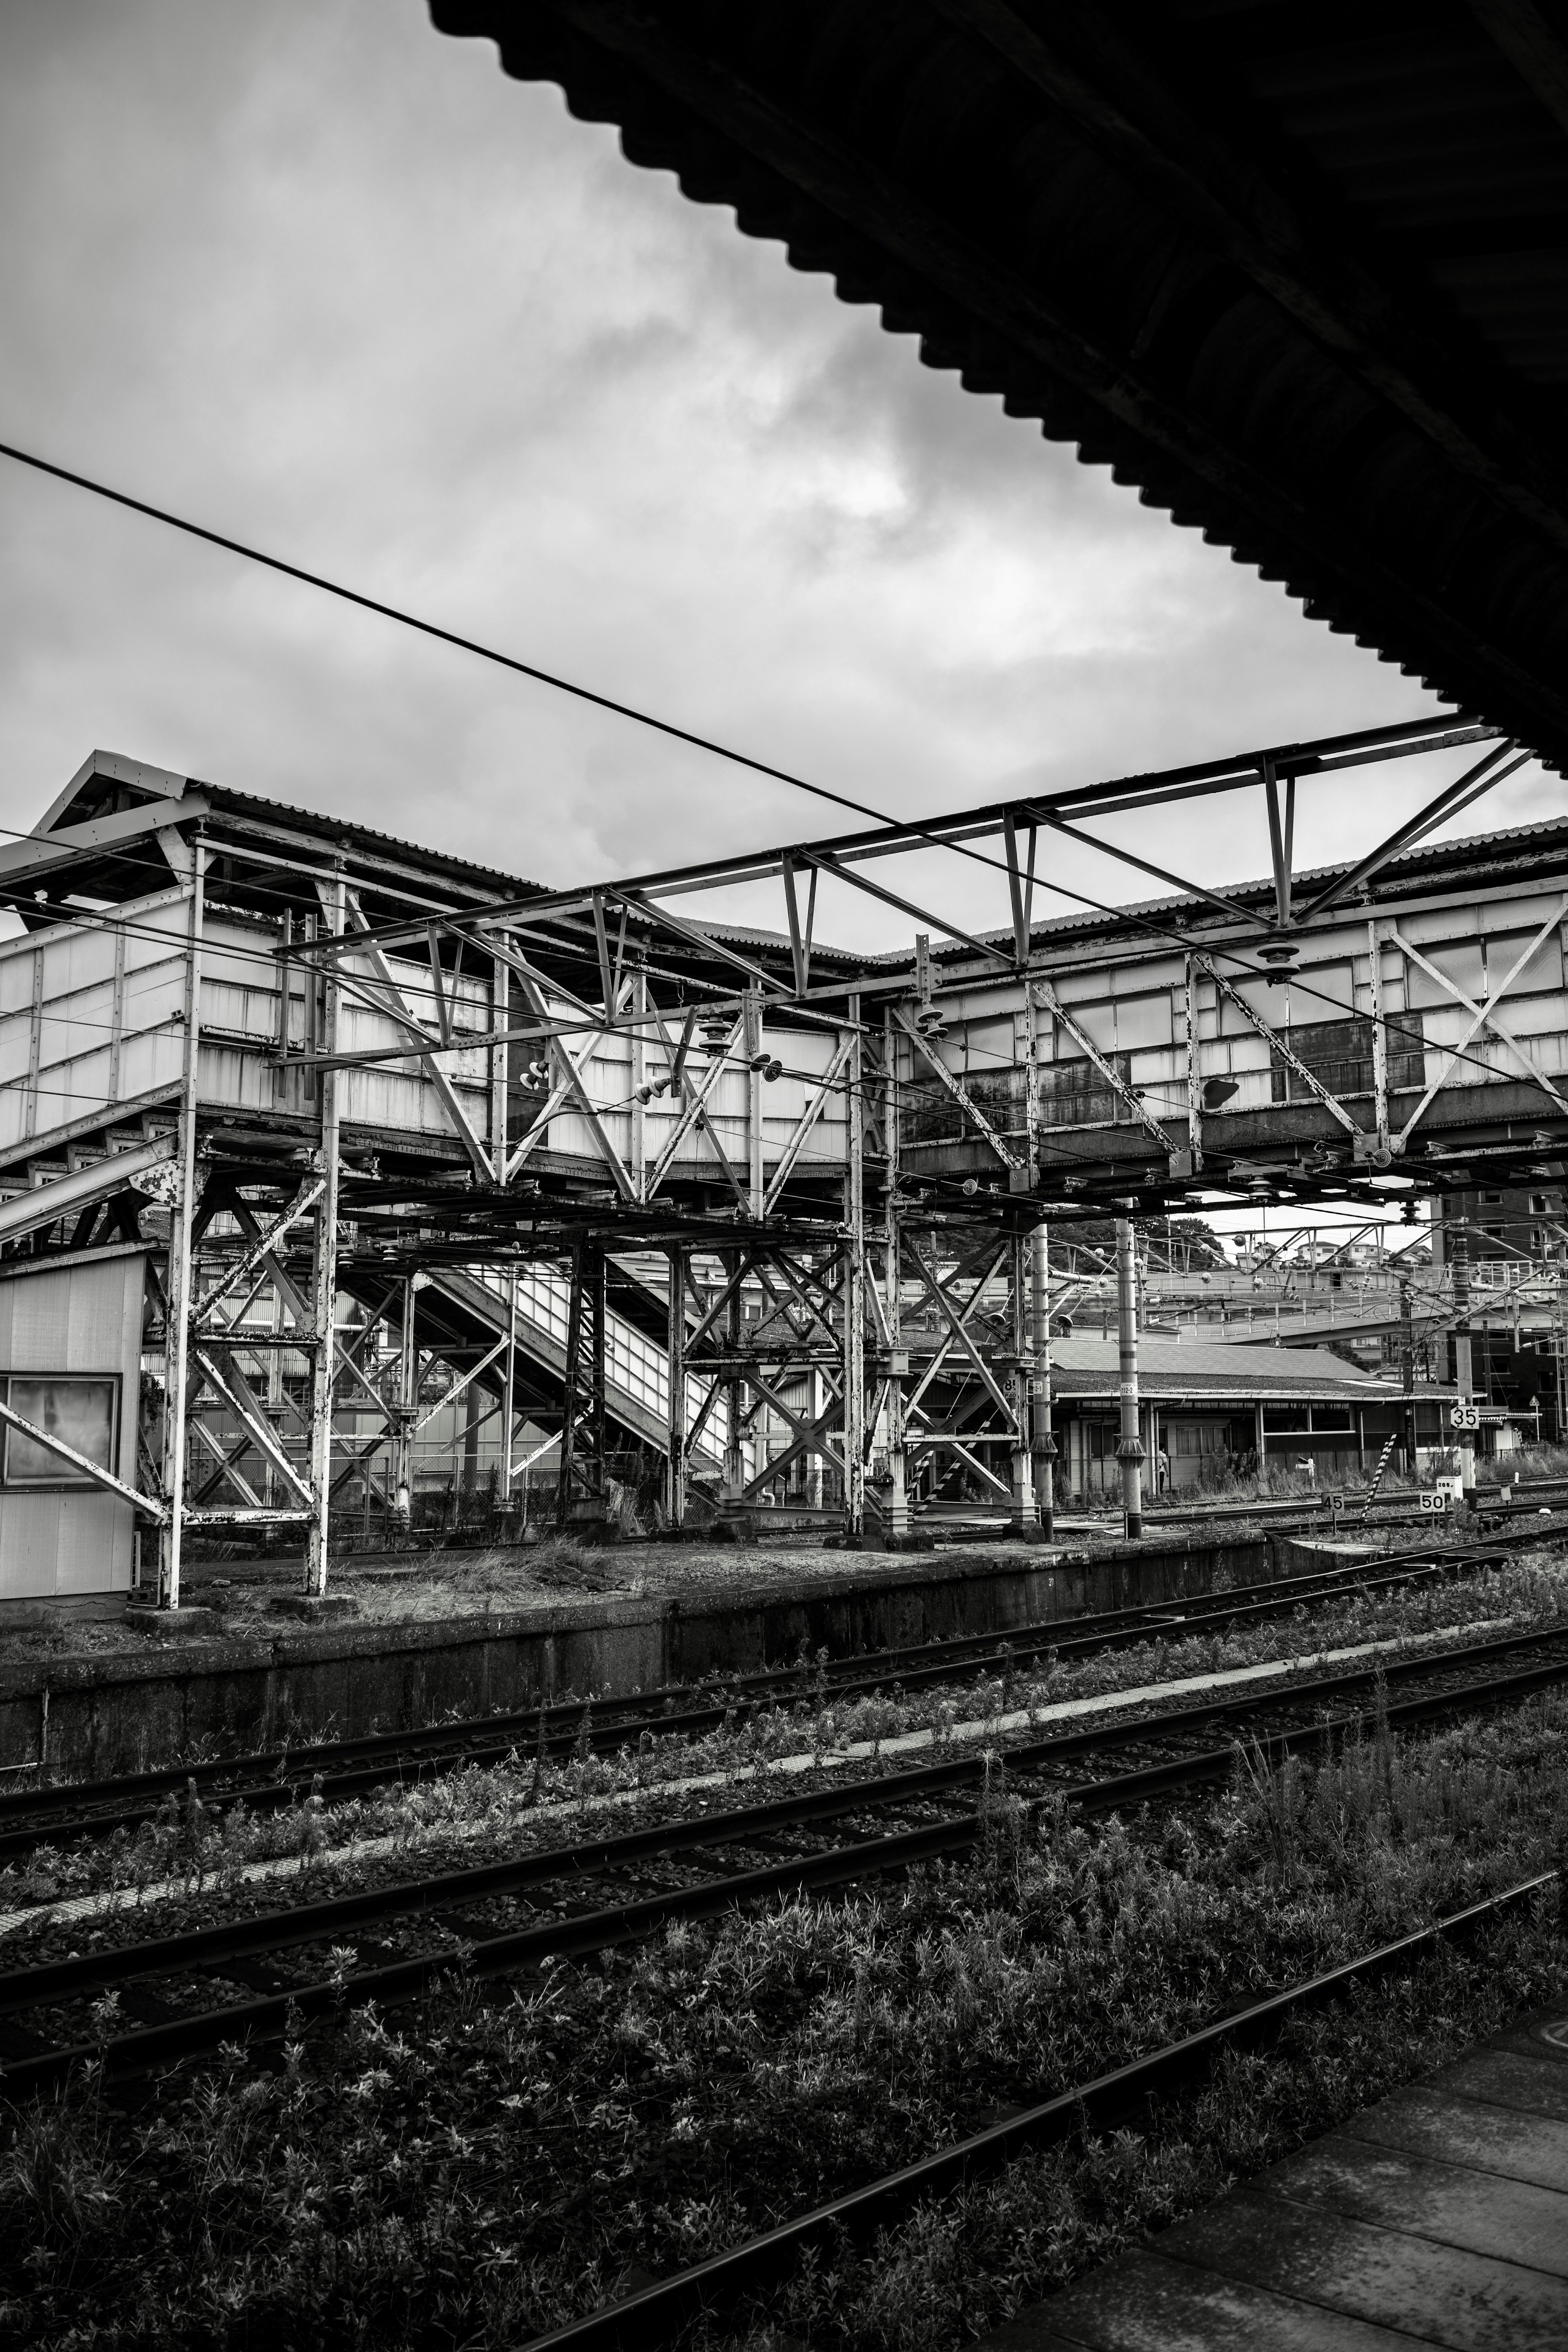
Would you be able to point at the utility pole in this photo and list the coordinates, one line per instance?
(178, 1273)
(1129, 1446)
(853, 1292)
(899, 1519)
(675, 1340)
(408, 1407)
(324, 1264)
(1043, 1444)
(1407, 1371)
(1463, 1373)
(509, 1394)
(1022, 1521)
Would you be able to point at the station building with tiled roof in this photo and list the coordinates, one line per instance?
(1209, 1404)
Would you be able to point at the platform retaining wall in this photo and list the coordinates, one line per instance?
(88, 1716)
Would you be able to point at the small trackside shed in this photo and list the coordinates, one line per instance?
(71, 1364)
(1206, 1404)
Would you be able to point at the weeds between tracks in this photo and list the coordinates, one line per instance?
(472, 2173)
(203, 1848)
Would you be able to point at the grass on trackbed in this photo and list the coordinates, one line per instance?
(475, 2169)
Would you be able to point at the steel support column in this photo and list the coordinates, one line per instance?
(407, 1408)
(854, 1291)
(899, 1516)
(1407, 1371)
(509, 1394)
(1042, 1443)
(674, 1342)
(570, 1386)
(815, 1498)
(1130, 1447)
(598, 1299)
(178, 1277)
(1021, 1519)
(325, 1270)
(734, 1511)
(582, 1495)
(1464, 1374)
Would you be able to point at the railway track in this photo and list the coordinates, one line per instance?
(585, 1896)
(656, 2314)
(272, 1780)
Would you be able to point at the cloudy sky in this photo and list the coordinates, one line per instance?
(318, 278)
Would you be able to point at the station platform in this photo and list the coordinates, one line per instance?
(1438, 2217)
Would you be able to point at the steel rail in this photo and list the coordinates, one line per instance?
(656, 2313)
(276, 1776)
(570, 1938)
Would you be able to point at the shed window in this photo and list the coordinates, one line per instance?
(81, 1412)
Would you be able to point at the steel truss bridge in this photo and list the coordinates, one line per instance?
(636, 1175)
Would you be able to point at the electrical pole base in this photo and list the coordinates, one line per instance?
(589, 1522)
(883, 1538)
(736, 1522)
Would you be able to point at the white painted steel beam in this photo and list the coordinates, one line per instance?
(85, 1468)
(118, 1172)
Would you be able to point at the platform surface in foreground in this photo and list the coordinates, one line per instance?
(1438, 2217)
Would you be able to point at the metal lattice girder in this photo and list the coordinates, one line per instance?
(390, 999)
(957, 1325)
(968, 1107)
(227, 1470)
(1086, 1045)
(261, 1255)
(230, 1384)
(568, 1085)
(988, 1257)
(1280, 1046)
(1483, 1016)
(810, 1437)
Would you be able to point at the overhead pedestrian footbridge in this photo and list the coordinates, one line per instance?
(773, 1209)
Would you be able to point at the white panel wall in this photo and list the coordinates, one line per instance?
(85, 1316)
(1136, 1004)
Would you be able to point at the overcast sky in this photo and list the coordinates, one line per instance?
(316, 276)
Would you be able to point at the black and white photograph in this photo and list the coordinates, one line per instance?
(784, 1176)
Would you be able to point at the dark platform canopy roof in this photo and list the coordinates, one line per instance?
(1298, 273)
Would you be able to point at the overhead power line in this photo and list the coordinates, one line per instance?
(505, 661)
(434, 629)
(620, 710)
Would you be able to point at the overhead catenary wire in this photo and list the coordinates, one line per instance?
(476, 647)
(435, 629)
(541, 676)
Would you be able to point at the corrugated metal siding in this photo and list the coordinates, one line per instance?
(61, 1040)
(82, 1319)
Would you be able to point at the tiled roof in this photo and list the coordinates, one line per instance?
(1170, 1368)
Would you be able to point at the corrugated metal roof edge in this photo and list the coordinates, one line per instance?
(244, 803)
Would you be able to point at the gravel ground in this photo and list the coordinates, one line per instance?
(406, 1589)
(403, 1590)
